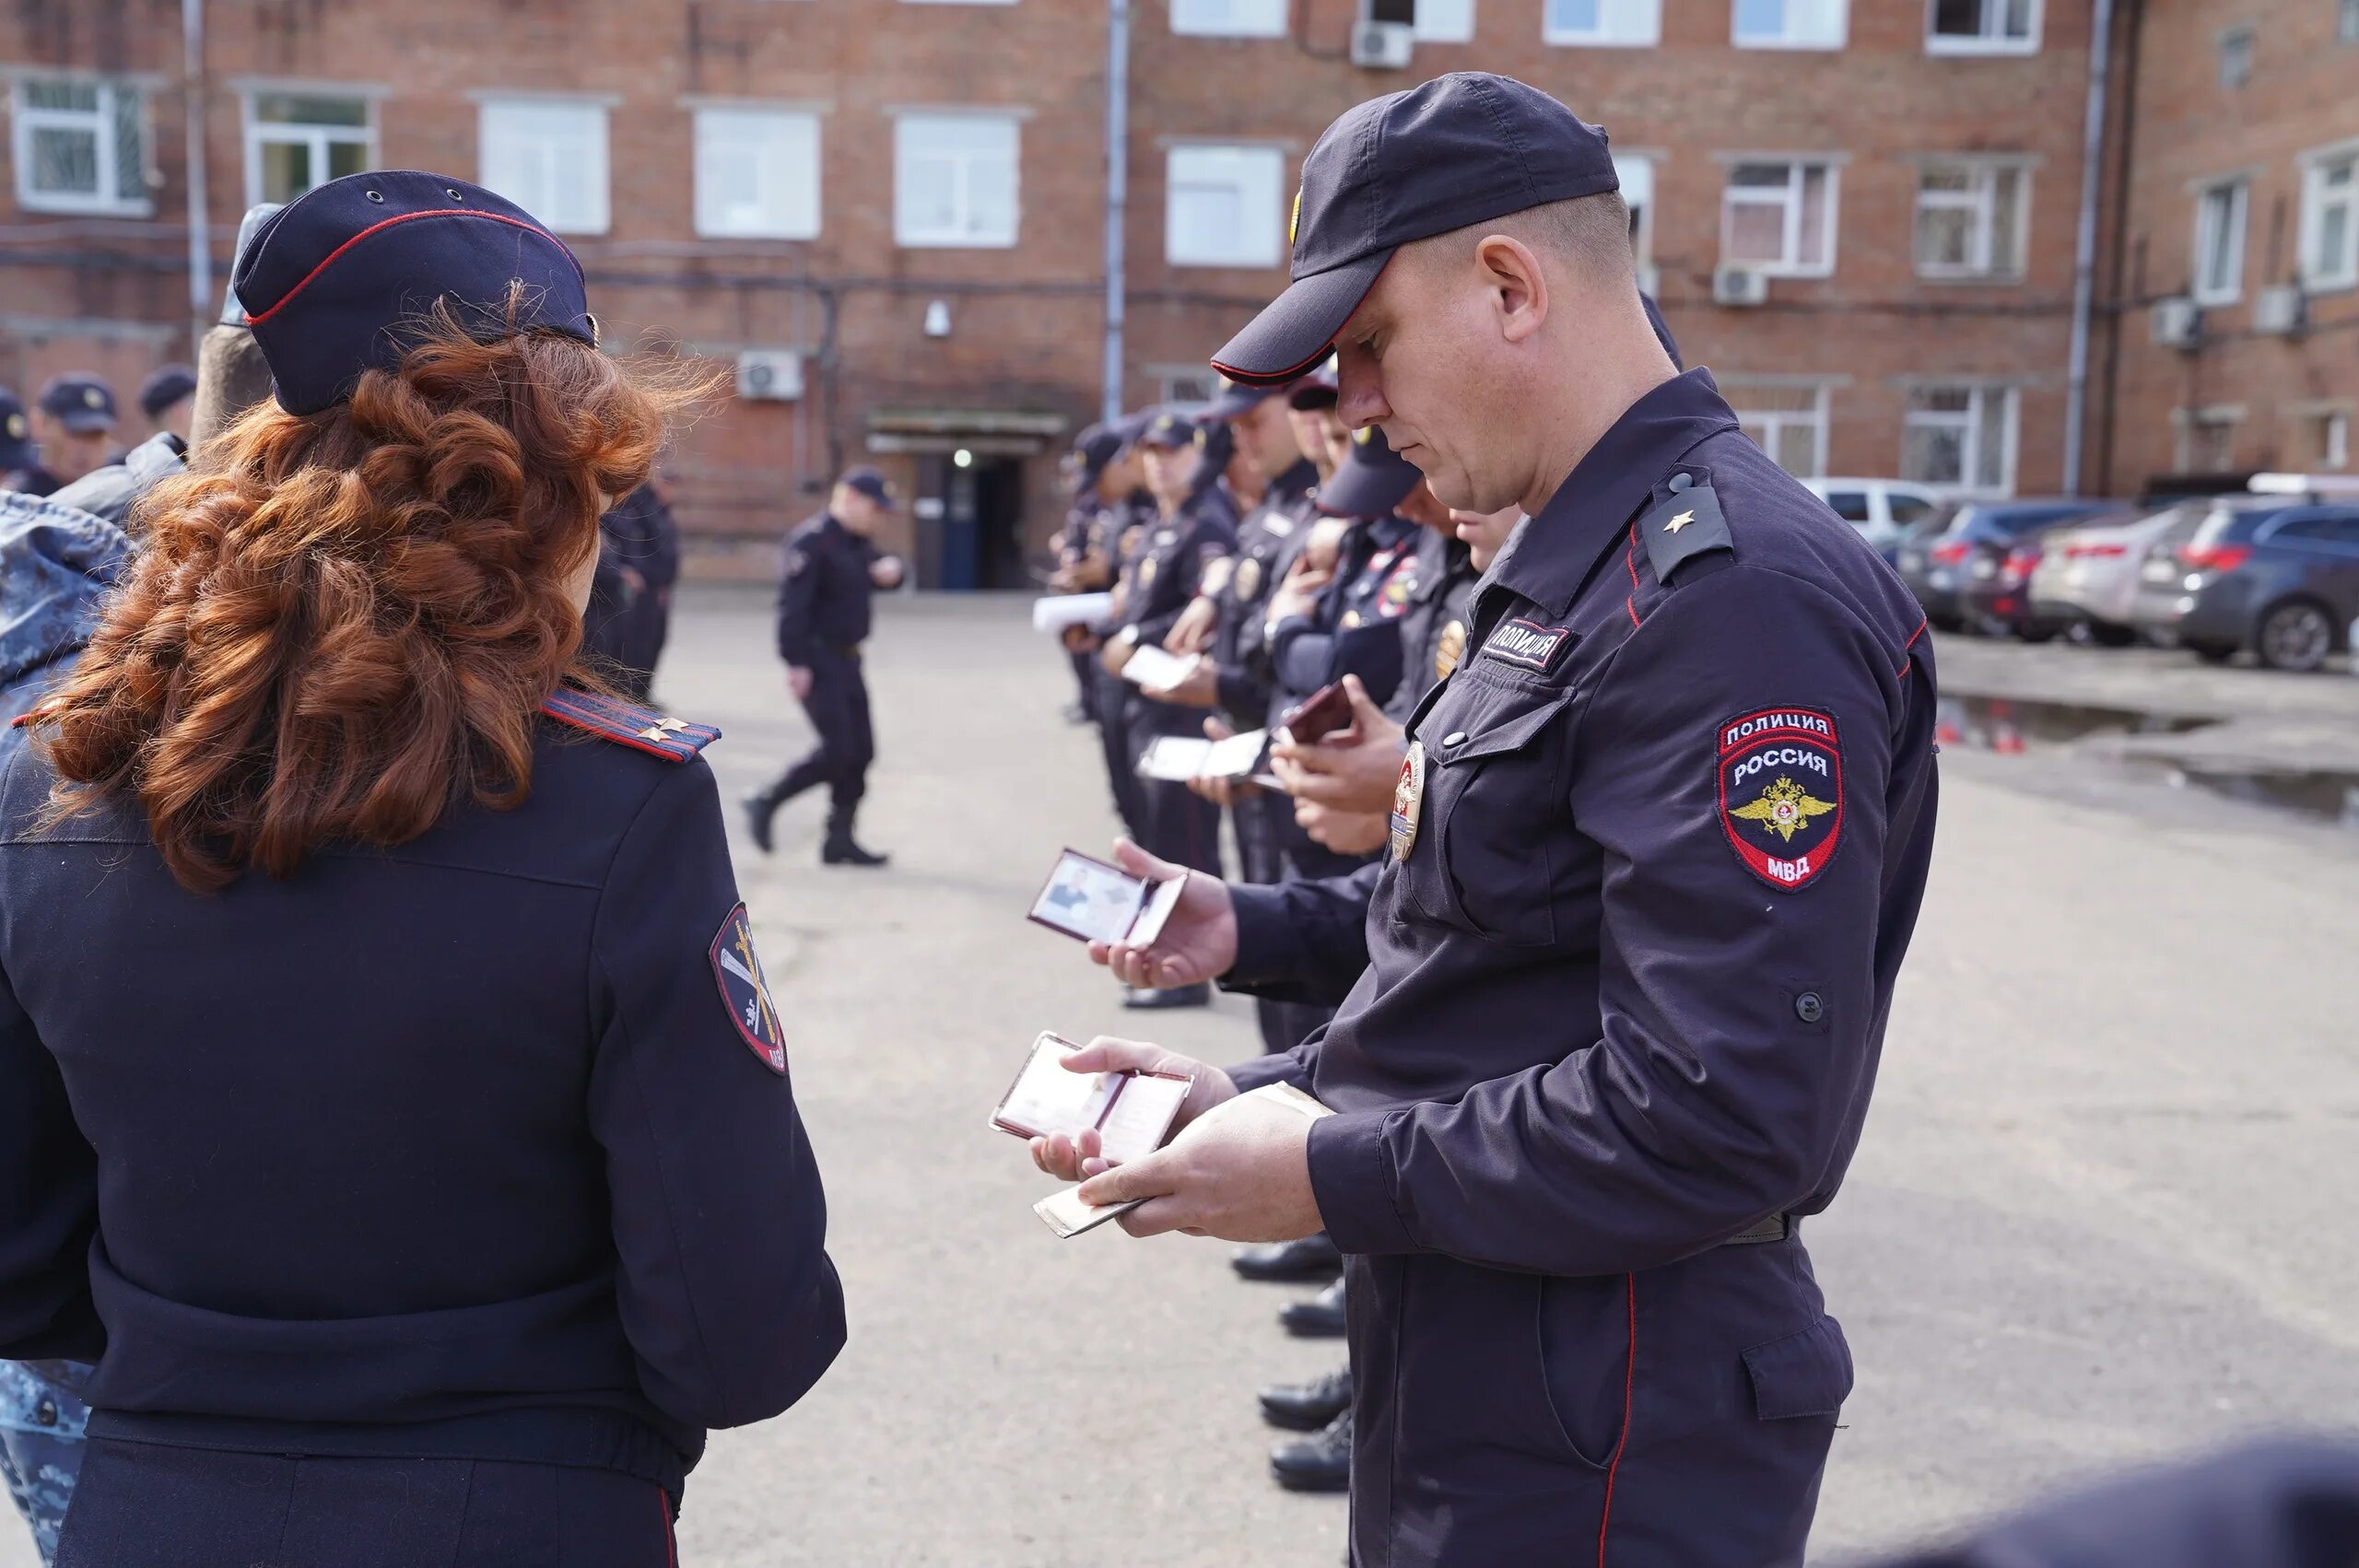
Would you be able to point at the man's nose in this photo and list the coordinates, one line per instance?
(1359, 398)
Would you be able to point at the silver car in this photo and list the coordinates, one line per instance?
(2090, 574)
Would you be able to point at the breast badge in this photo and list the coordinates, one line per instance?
(1408, 800)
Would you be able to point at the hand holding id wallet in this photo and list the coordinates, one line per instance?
(1151, 669)
(1131, 1110)
(1319, 715)
(1091, 901)
(1176, 759)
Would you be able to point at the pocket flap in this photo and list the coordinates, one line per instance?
(1807, 1373)
(1498, 736)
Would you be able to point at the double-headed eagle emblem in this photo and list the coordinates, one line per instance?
(1783, 809)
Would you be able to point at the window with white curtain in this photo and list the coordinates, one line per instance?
(1971, 218)
(954, 179)
(1790, 24)
(1960, 436)
(758, 172)
(2219, 270)
(1230, 19)
(547, 156)
(80, 145)
(1778, 217)
(299, 140)
(1223, 206)
(1610, 24)
(1445, 21)
(2330, 219)
(1788, 420)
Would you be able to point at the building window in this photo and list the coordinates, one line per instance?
(1960, 437)
(1230, 19)
(2331, 221)
(1637, 176)
(1186, 389)
(1445, 21)
(2346, 22)
(1982, 27)
(1609, 24)
(549, 157)
(1790, 24)
(296, 141)
(1788, 422)
(1779, 218)
(2219, 275)
(2327, 441)
(1222, 207)
(954, 180)
(81, 146)
(2235, 58)
(2207, 439)
(758, 173)
(1971, 219)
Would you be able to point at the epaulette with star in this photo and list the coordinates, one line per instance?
(629, 724)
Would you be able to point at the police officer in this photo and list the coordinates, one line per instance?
(1084, 562)
(167, 401)
(73, 422)
(639, 560)
(832, 567)
(18, 455)
(1118, 534)
(1657, 849)
(470, 1285)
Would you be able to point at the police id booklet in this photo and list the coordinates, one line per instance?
(1092, 901)
(1067, 1214)
(1058, 611)
(1155, 670)
(1175, 759)
(1131, 1110)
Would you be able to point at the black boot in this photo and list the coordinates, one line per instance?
(761, 806)
(1322, 1463)
(1320, 1317)
(1312, 1257)
(839, 850)
(1306, 1406)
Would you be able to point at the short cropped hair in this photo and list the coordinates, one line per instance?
(1592, 233)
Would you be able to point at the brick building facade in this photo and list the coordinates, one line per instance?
(901, 205)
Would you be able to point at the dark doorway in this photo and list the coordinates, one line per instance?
(970, 524)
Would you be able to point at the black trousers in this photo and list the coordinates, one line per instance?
(1113, 710)
(151, 1505)
(1084, 675)
(837, 707)
(1180, 826)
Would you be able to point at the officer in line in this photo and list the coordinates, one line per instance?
(1118, 531)
(1657, 849)
(168, 402)
(639, 560)
(18, 454)
(1081, 566)
(832, 569)
(72, 425)
(471, 1286)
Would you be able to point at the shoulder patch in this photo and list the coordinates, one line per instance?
(1688, 525)
(1527, 644)
(744, 993)
(1780, 785)
(628, 724)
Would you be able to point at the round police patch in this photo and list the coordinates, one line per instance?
(1408, 800)
(1249, 579)
(746, 993)
(1781, 793)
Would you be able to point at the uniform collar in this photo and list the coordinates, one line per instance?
(1551, 553)
(1288, 488)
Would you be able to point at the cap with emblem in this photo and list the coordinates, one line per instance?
(1372, 481)
(16, 449)
(1461, 150)
(1097, 450)
(1169, 429)
(872, 483)
(165, 388)
(81, 402)
(330, 281)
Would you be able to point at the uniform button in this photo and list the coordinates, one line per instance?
(1681, 480)
(1808, 1008)
(1455, 738)
(45, 1414)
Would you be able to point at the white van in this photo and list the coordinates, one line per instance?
(1882, 510)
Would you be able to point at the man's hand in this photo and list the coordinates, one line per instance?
(886, 571)
(1298, 594)
(1241, 1171)
(1074, 1159)
(1198, 942)
(1115, 652)
(1200, 687)
(1352, 771)
(798, 681)
(1192, 632)
(1079, 639)
(1346, 833)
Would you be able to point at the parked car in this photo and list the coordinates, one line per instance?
(2279, 575)
(1882, 510)
(1972, 548)
(2088, 572)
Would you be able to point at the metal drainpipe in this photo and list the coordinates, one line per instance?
(1118, 187)
(203, 307)
(2084, 249)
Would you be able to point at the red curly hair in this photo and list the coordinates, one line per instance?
(340, 625)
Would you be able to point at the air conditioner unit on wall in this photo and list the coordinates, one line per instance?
(769, 375)
(2280, 312)
(1383, 46)
(1739, 285)
(2178, 322)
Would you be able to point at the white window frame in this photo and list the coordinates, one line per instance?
(316, 138)
(1733, 195)
(1431, 32)
(708, 118)
(2315, 165)
(100, 122)
(1184, 387)
(961, 240)
(1786, 40)
(2227, 38)
(1276, 22)
(1269, 253)
(1970, 422)
(2346, 22)
(1773, 421)
(2334, 428)
(2185, 422)
(2238, 191)
(1982, 200)
(1646, 167)
(1985, 42)
(489, 107)
(1605, 36)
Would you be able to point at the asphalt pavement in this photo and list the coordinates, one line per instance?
(2101, 1213)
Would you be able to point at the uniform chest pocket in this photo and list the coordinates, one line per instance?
(1495, 805)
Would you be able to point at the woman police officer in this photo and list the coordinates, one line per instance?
(429, 1194)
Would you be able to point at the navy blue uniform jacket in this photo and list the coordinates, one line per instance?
(483, 1146)
(824, 591)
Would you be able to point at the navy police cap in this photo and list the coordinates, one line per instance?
(871, 483)
(81, 402)
(330, 280)
(1459, 150)
(1372, 480)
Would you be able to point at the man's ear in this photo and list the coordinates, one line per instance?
(1518, 286)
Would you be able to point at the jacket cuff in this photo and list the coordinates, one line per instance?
(1269, 939)
(1278, 1067)
(1351, 1178)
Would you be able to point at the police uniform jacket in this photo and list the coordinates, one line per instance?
(1356, 630)
(1265, 541)
(823, 596)
(1629, 967)
(1173, 554)
(481, 1147)
(1433, 624)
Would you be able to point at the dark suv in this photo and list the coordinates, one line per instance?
(2276, 575)
(1944, 569)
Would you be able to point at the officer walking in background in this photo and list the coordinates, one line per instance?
(832, 569)
(1655, 855)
